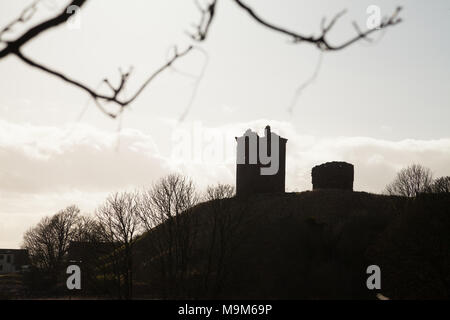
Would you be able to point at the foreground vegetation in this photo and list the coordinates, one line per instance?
(170, 242)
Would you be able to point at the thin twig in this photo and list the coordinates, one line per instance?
(198, 80)
(114, 97)
(14, 46)
(24, 17)
(305, 84)
(207, 17)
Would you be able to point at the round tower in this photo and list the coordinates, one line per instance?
(333, 175)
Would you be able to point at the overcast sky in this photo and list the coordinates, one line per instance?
(380, 106)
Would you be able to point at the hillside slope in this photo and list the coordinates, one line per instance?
(309, 245)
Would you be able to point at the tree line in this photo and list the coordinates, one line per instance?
(416, 179)
(156, 238)
(159, 220)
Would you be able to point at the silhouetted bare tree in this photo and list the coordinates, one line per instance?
(165, 211)
(48, 242)
(414, 250)
(87, 229)
(220, 191)
(441, 185)
(411, 181)
(223, 236)
(208, 13)
(120, 224)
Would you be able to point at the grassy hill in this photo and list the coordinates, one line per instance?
(309, 245)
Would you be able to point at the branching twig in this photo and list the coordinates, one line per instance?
(320, 41)
(199, 78)
(326, 29)
(114, 96)
(24, 17)
(161, 69)
(207, 16)
(305, 84)
(361, 34)
(13, 47)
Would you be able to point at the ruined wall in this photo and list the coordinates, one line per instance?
(333, 175)
(249, 180)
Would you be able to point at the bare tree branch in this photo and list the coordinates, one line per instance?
(358, 30)
(207, 16)
(114, 96)
(320, 41)
(62, 17)
(161, 69)
(14, 47)
(199, 78)
(305, 84)
(208, 13)
(325, 29)
(24, 17)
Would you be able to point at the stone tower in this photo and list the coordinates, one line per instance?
(333, 175)
(261, 163)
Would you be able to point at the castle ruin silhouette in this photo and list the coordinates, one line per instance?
(333, 175)
(249, 179)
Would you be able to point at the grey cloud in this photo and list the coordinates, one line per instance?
(50, 159)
